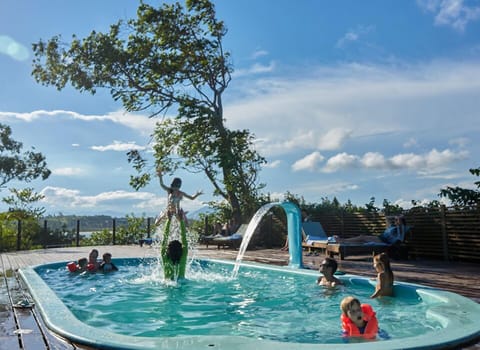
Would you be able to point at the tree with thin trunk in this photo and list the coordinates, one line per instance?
(168, 59)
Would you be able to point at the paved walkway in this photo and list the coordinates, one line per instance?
(459, 277)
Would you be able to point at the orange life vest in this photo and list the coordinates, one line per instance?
(371, 328)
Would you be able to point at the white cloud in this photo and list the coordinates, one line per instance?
(411, 142)
(333, 139)
(274, 164)
(373, 160)
(73, 198)
(256, 68)
(320, 189)
(454, 13)
(341, 161)
(12, 48)
(68, 171)
(353, 35)
(309, 162)
(119, 146)
(432, 161)
(436, 101)
(460, 142)
(259, 53)
(112, 201)
(137, 122)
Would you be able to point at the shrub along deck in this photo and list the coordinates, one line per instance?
(24, 328)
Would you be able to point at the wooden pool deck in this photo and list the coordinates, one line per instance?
(23, 328)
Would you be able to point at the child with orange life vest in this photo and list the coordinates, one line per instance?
(358, 320)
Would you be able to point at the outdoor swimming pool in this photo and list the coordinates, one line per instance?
(263, 307)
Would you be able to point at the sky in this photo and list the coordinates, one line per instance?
(348, 99)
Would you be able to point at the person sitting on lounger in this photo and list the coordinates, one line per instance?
(328, 267)
(390, 236)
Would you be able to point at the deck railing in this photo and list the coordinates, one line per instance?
(440, 233)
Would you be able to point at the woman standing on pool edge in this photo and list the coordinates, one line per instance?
(174, 254)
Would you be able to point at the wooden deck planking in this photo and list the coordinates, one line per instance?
(461, 278)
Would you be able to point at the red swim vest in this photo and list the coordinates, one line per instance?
(371, 329)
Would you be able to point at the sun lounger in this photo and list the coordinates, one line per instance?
(232, 241)
(394, 248)
(314, 236)
(344, 249)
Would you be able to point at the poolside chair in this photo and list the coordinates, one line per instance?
(397, 249)
(232, 241)
(314, 236)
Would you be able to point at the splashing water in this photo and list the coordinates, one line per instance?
(252, 226)
(175, 234)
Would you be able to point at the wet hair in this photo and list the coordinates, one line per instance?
(176, 183)
(385, 261)
(347, 304)
(174, 251)
(107, 256)
(82, 262)
(330, 262)
(93, 252)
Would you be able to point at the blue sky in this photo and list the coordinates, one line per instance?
(348, 99)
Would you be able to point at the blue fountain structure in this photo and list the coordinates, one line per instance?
(294, 227)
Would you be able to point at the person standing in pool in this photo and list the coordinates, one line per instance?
(384, 287)
(328, 267)
(174, 254)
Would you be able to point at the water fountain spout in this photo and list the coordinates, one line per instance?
(294, 230)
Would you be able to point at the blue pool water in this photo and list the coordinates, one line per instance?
(263, 307)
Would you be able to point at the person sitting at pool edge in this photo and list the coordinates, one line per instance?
(107, 265)
(358, 320)
(327, 268)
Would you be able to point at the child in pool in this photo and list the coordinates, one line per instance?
(82, 265)
(107, 265)
(384, 286)
(358, 320)
(327, 268)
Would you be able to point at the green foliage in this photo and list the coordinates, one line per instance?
(129, 233)
(168, 58)
(14, 164)
(134, 230)
(103, 237)
(21, 203)
(461, 196)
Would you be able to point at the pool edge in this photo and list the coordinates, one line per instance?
(60, 320)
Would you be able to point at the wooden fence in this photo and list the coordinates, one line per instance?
(439, 233)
